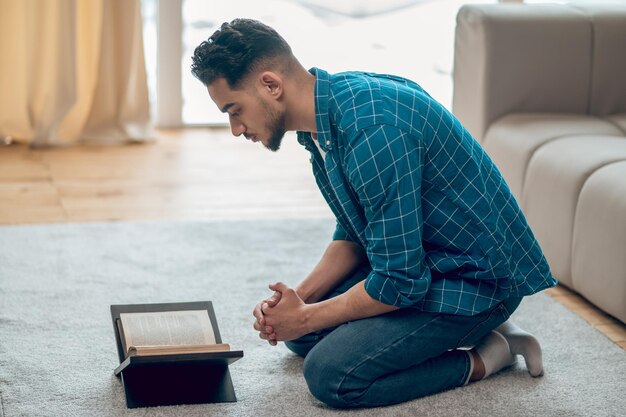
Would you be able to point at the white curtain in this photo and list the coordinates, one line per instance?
(72, 71)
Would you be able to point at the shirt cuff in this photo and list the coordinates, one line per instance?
(341, 234)
(400, 293)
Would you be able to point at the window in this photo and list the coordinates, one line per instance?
(411, 38)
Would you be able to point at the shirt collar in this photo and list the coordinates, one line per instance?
(322, 115)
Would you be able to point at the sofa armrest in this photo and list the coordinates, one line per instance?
(513, 58)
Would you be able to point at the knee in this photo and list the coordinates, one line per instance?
(299, 347)
(304, 344)
(324, 379)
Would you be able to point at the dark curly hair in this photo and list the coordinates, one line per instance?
(235, 49)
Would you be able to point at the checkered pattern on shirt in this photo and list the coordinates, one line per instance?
(440, 226)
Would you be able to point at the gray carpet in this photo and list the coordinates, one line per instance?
(57, 349)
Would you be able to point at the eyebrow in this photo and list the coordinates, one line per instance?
(227, 106)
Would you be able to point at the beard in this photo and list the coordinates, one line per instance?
(276, 127)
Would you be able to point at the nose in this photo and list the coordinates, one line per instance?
(236, 127)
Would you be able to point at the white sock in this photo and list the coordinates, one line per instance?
(525, 344)
(494, 351)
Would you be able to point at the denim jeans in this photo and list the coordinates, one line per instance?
(395, 357)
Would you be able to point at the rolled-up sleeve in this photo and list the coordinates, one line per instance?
(384, 166)
(341, 234)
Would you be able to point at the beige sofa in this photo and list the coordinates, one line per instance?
(543, 89)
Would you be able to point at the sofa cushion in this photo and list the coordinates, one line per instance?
(556, 174)
(618, 120)
(599, 245)
(512, 140)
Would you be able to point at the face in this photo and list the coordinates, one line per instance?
(252, 112)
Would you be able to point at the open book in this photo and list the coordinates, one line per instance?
(167, 333)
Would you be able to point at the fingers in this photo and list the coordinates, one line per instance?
(271, 338)
(258, 314)
(270, 302)
(261, 328)
(274, 299)
(260, 324)
(265, 332)
(264, 308)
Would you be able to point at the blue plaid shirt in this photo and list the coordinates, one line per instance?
(405, 180)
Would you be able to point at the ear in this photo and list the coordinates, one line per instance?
(271, 83)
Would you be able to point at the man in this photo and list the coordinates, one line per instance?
(431, 252)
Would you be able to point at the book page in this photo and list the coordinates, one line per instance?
(167, 328)
(177, 349)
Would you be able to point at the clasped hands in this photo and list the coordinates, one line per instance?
(282, 316)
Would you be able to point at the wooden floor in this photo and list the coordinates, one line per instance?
(190, 174)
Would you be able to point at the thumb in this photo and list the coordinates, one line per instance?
(274, 299)
(279, 286)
